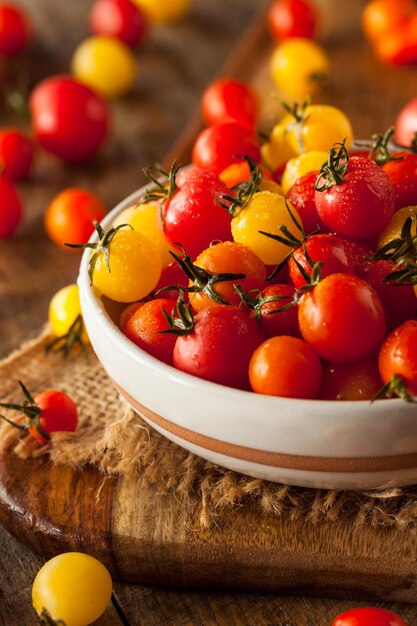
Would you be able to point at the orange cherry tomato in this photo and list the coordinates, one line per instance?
(234, 258)
(381, 17)
(285, 366)
(69, 217)
(351, 381)
(398, 355)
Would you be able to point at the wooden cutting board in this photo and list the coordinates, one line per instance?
(144, 535)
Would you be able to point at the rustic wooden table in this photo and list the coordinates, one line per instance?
(173, 67)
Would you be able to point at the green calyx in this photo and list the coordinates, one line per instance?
(30, 409)
(256, 301)
(403, 251)
(334, 169)
(100, 247)
(164, 183)
(244, 191)
(48, 620)
(65, 343)
(181, 319)
(298, 112)
(395, 387)
(203, 281)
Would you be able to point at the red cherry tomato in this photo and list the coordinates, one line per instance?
(301, 196)
(351, 381)
(368, 616)
(358, 250)
(406, 124)
(327, 249)
(145, 328)
(192, 216)
(402, 172)
(292, 18)
(285, 366)
(398, 355)
(15, 30)
(229, 99)
(128, 312)
(361, 205)
(171, 275)
(218, 146)
(399, 301)
(399, 45)
(68, 118)
(69, 217)
(10, 208)
(118, 18)
(16, 154)
(58, 413)
(219, 347)
(275, 321)
(342, 318)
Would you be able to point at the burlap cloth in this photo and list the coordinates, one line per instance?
(113, 438)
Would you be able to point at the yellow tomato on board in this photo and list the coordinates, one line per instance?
(299, 67)
(164, 11)
(303, 164)
(72, 587)
(266, 212)
(105, 64)
(144, 218)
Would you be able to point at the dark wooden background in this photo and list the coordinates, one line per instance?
(173, 68)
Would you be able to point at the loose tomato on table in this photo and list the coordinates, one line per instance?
(380, 17)
(73, 588)
(368, 616)
(48, 412)
(118, 18)
(66, 320)
(15, 30)
(106, 65)
(285, 366)
(230, 99)
(299, 67)
(71, 214)
(342, 318)
(11, 210)
(222, 144)
(292, 18)
(16, 154)
(69, 119)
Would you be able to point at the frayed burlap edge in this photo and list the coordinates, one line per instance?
(117, 442)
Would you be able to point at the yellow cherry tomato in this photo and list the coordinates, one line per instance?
(303, 164)
(164, 11)
(319, 127)
(277, 150)
(393, 230)
(105, 64)
(299, 67)
(144, 218)
(64, 309)
(134, 267)
(73, 587)
(270, 185)
(265, 211)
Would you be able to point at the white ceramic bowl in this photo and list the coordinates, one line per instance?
(314, 443)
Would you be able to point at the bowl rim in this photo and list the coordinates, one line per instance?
(93, 298)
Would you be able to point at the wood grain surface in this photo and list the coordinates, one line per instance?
(31, 269)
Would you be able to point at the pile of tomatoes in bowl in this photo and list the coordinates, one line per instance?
(287, 269)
